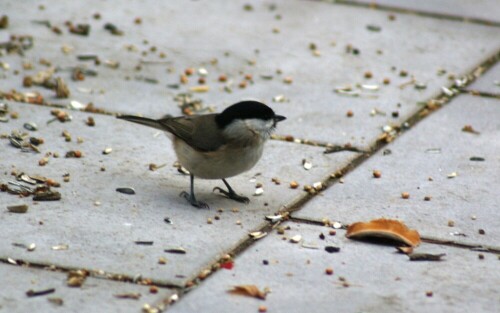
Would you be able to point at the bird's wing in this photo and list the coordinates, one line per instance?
(201, 131)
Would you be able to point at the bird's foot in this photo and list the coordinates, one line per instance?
(232, 195)
(191, 199)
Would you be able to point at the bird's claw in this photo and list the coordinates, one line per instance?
(192, 200)
(232, 195)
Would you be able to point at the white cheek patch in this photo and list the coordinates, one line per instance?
(247, 129)
(262, 127)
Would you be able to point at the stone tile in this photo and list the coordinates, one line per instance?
(481, 9)
(101, 225)
(196, 33)
(94, 295)
(435, 148)
(489, 82)
(378, 278)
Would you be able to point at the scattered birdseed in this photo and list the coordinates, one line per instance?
(32, 293)
(405, 195)
(176, 250)
(329, 271)
(296, 239)
(126, 190)
(332, 249)
(257, 235)
(426, 256)
(130, 295)
(470, 129)
(60, 247)
(258, 191)
(107, 151)
(162, 261)
(30, 126)
(56, 301)
(274, 218)
(144, 242)
(481, 232)
(20, 208)
(377, 173)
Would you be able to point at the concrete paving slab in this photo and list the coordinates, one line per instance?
(482, 9)
(94, 295)
(195, 34)
(366, 278)
(421, 163)
(101, 225)
(489, 82)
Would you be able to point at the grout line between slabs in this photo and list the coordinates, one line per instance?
(390, 8)
(483, 94)
(99, 274)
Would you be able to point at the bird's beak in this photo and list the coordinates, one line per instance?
(279, 118)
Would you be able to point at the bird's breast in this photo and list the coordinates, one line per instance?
(225, 162)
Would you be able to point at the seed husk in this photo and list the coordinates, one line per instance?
(176, 250)
(30, 126)
(126, 190)
(426, 256)
(32, 293)
(19, 208)
(47, 196)
(107, 151)
(56, 301)
(332, 249)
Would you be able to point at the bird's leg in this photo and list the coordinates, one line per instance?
(191, 199)
(231, 194)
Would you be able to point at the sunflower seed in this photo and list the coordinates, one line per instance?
(176, 250)
(60, 247)
(20, 208)
(107, 151)
(126, 190)
(257, 235)
(274, 218)
(30, 126)
(296, 239)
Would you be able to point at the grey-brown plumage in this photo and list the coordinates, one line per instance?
(218, 146)
(200, 131)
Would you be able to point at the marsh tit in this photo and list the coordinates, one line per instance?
(218, 145)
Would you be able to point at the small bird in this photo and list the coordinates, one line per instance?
(218, 145)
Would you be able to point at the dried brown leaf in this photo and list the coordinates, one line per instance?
(384, 228)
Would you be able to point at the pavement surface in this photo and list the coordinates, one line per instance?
(393, 111)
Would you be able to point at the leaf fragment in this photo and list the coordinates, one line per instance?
(249, 291)
(384, 228)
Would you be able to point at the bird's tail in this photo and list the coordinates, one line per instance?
(142, 120)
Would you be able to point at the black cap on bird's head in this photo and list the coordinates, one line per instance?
(247, 110)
